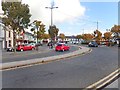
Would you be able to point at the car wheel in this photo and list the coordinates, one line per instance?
(21, 50)
(56, 50)
(12, 50)
(63, 50)
(33, 48)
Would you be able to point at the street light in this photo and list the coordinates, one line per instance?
(51, 8)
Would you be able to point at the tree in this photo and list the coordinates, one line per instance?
(53, 32)
(46, 36)
(18, 17)
(79, 36)
(38, 29)
(116, 31)
(98, 35)
(41, 31)
(62, 36)
(107, 35)
(87, 37)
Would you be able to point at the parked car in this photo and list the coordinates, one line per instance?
(38, 44)
(10, 49)
(93, 44)
(103, 43)
(75, 42)
(32, 44)
(25, 47)
(62, 47)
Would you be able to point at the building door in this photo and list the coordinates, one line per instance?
(0, 46)
(5, 44)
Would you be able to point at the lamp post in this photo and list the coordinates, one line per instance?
(51, 8)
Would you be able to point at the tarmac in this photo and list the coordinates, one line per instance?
(80, 51)
(41, 49)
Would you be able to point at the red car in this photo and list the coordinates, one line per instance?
(25, 47)
(62, 47)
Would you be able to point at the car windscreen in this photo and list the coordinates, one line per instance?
(59, 44)
(94, 43)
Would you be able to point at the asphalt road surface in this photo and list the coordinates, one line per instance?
(24, 56)
(77, 72)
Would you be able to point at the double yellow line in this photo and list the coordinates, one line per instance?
(105, 81)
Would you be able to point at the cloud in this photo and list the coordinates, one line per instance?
(67, 10)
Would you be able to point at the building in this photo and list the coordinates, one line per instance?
(8, 37)
(25, 38)
(69, 39)
(1, 35)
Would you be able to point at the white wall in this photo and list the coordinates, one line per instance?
(2, 37)
(9, 38)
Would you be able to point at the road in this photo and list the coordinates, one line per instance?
(25, 56)
(77, 72)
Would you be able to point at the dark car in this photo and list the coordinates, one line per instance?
(10, 49)
(38, 44)
(93, 44)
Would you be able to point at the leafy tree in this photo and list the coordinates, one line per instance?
(62, 36)
(38, 29)
(87, 37)
(98, 35)
(41, 31)
(53, 32)
(107, 35)
(46, 36)
(116, 30)
(79, 36)
(18, 17)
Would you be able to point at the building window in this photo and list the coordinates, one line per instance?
(9, 43)
(9, 34)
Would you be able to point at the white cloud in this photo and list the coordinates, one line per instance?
(67, 10)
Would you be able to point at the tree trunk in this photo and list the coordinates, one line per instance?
(14, 40)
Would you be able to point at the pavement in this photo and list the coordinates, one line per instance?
(114, 84)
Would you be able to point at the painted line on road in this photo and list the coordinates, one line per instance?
(105, 81)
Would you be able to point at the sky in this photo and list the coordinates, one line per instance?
(74, 17)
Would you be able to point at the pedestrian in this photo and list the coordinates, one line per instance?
(51, 45)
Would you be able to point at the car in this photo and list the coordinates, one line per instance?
(32, 44)
(62, 47)
(75, 42)
(38, 44)
(25, 47)
(103, 43)
(93, 44)
(10, 49)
